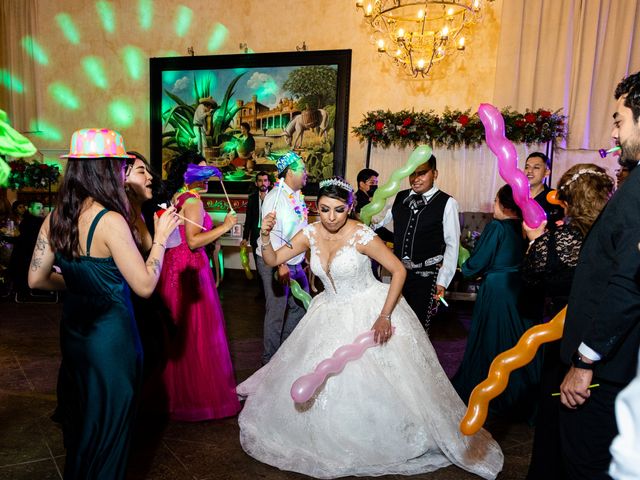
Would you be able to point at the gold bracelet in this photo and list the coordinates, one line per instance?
(382, 315)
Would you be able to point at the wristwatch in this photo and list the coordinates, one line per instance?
(577, 361)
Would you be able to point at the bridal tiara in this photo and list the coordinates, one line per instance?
(336, 182)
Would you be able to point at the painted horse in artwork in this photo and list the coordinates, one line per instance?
(307, 120)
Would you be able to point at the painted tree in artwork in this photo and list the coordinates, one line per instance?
(313, 86)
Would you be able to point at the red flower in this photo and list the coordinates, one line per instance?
(43, 166)
(545, 113)
(519, 123)
(407, 121)
(463, 120)
(404, 132)
(530, 117)
(379, 126)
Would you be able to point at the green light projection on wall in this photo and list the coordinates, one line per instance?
(107, 17)
(35, 50)
(44, 130)
(183, 20)
(121, 113)
(168, 53)
(145, 14)
(62, 94)
(133, 59)
(94, 68)
(218, 37)
(68, 27)
(10, 82)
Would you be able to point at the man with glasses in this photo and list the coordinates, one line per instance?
(283, 312)
(426, 238)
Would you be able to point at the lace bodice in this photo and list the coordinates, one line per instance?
(553, 257)
(348, 271)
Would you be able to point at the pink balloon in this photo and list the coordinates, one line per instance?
(532, 213)
(304, 387)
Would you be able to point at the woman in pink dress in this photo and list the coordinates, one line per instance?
(198, 378)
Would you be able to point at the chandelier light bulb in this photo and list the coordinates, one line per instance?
(417, 34)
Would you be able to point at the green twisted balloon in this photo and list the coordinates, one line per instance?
(300, 293)
(419, 156)
(463, 255)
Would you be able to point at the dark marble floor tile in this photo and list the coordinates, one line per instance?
(41, 470)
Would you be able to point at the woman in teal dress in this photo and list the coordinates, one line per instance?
(496, 325)
(88, 237)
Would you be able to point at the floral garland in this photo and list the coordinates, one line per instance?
(302, 211)
(32, 174)
(455, 128)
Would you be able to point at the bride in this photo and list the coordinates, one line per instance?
(393, 411)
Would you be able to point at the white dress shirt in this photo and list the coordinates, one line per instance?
(451, 232)
(288, 222)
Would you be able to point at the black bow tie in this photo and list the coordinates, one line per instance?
(415, 202)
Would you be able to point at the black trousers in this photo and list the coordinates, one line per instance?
(586, 433)
(546, 455)
(418, 292)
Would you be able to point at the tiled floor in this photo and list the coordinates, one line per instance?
(31, 444)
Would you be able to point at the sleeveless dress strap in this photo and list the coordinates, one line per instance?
(180, 201)
(92, 229)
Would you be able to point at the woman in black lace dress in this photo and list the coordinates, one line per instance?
(549, 266)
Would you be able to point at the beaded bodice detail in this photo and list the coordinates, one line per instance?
(347, 271)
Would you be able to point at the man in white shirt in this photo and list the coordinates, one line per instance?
(426, 238)
(283, 312)
(203, 110)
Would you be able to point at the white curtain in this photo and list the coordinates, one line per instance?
(18, 20)
(568, 54)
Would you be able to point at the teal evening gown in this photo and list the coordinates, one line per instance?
(101, 366)
(496, 324)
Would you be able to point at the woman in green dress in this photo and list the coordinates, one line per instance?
(88, 237)
(496, 325)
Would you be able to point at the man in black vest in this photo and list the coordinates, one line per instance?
(602, 327)
(426, 238)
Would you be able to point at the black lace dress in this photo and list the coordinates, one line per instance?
(548, 268)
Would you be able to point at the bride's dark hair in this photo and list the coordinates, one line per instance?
(336, 188)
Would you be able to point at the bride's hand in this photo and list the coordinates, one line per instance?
(382, 329)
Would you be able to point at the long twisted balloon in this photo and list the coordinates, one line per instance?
(11, 143)
(244, 260)
(491, 118)
(304, 387)
(300, 293)
(503, 365)
(419, 156)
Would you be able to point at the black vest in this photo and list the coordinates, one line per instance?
(418, 234)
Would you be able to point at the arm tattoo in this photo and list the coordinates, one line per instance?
(38, 252)
(155, 264)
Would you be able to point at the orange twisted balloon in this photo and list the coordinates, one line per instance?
(503, 365)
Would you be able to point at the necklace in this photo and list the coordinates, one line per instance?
(301, 210)
(192, 191)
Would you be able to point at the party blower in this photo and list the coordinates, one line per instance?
(603, 153)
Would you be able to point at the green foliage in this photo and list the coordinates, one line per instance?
(455, 128)
(180, 117)
(312, 86)
(32, 174)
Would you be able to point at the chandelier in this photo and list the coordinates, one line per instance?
(419, 34)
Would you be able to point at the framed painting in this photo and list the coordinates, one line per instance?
(241, 112)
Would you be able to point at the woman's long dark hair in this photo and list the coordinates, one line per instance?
(175, 173)
(99, 179)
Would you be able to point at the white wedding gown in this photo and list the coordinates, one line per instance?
(393, 411)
